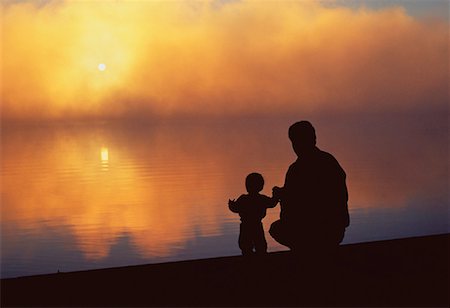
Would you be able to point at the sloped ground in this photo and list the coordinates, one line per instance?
(404, 272)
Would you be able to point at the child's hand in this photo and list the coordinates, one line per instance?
(232, 205)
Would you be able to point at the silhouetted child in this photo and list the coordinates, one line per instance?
(252, 209)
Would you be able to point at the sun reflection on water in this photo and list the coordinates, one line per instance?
(104, 156)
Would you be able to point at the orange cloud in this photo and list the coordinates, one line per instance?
(165, 58)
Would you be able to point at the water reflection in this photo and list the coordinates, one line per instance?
(77, 197)
(104, 156)
(161, 189)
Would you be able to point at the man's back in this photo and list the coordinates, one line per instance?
(315, 195)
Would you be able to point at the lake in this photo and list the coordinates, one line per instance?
(85, 195)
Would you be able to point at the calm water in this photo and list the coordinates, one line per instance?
(79, 196)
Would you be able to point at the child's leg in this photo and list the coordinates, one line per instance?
(245, 240)
(260, 239)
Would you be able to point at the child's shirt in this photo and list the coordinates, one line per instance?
(252, 207)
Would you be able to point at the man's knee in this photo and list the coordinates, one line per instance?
(274, 229)
(279, 233)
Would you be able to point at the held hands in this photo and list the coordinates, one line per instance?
(277, 192)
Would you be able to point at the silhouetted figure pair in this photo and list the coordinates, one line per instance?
(313, 200)
(252, 209)
(314, 210)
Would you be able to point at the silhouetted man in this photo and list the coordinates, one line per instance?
(314, 211)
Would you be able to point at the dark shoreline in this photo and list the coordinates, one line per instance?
(402, 272)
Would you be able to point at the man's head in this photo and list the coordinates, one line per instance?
(254, 182)
(303, 137)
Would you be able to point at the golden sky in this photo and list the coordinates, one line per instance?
(104, 59)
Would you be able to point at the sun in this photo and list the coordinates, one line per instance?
(101, 67)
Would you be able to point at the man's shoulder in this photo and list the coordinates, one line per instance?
(325, 155)
(329, 160)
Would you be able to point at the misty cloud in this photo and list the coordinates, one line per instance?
(239, 57)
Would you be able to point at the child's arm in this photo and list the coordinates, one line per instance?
(277, 195)
(272, 202)
(233, 206)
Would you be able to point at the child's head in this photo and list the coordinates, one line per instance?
(254, 182)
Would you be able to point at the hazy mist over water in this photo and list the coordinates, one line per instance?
(103, 59)
(83, 195)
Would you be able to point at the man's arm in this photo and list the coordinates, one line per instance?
(339, 193)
